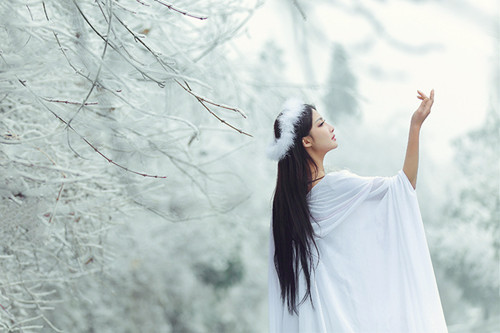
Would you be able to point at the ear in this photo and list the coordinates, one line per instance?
(307, 141)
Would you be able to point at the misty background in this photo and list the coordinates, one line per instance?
(135, 191)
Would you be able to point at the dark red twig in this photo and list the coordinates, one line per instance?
(216, 104)
(202, 102)
(113, 162)
(68, 102)
(183, 12)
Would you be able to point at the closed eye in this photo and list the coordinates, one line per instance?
(322, 123)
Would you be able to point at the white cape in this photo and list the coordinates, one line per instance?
(374, 272)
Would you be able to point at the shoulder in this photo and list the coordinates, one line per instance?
(345, 180)
(342, 176)
(342, 180)
(339, 174)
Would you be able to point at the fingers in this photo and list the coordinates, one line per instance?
(423, 97)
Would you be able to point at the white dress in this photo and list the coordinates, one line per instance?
(374, 272)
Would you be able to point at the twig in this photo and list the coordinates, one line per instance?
(117, 49)
(106, 43)
(68, 102)
(31, 15)
(202, 102)
(203, 99)
(183, 12)
(77, 71)
(68, 125)
(200, 99)
(10, 315)
(113, 162)
(60, 189)
(299, 8)
(138, 39)
(84, 139)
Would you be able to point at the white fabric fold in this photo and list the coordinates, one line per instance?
(374, 272)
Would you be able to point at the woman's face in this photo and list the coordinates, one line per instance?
(321, 138)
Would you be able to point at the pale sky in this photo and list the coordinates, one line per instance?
(459, 68)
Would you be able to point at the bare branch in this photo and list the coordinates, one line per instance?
(183, 12)
(68, 102)
(203, 99)
(106, 43)
(84, 139)
(113, 162)
(202, 102)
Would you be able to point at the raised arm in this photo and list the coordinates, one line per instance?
(410, 166)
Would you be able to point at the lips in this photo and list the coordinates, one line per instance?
(333, 138)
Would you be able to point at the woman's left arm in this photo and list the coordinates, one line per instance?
(410, 166)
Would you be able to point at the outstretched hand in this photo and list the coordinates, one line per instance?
(424, 109)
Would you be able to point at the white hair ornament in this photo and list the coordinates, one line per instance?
(292, 110)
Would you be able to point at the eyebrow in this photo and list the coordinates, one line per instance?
(320, 118)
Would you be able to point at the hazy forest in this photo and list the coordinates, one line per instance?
(135, 191)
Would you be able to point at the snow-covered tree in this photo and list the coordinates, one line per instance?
(100, 101)
(467, 245)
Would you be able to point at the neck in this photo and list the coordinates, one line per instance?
(318, 160)
(318, 171)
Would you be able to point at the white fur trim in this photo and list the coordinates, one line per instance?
(292, 109)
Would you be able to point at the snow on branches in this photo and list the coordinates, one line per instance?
(85, 85)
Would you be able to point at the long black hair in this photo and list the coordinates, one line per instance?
(292, 230)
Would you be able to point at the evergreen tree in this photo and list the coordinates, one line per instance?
(341, 95)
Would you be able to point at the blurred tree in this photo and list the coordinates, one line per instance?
(221, 277)
(468, 244)
(341, 96)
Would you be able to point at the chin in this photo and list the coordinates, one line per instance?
(333, 148)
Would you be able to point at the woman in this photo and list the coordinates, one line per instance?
(347, 253)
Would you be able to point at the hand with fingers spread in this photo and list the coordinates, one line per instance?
(424, 109)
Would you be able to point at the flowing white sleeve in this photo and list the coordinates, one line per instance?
(420, 287)
(340, 194)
